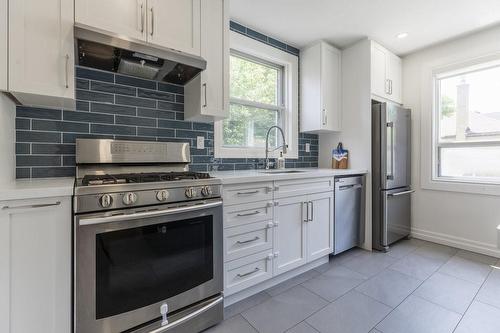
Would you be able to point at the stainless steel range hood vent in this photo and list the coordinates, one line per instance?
(136, 58)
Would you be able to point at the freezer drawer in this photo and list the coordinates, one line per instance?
(396, 215)
(349, 224)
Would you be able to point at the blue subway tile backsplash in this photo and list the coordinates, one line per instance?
(114, 106)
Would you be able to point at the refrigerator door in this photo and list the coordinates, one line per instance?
(396, 215)
(395, 146)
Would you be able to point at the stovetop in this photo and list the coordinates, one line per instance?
(135, 178)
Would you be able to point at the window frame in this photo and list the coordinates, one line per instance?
(429, 129)
(259, 52)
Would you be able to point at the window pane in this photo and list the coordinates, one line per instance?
(254, 81)
(469, 107)
(247, 127)
(480, 163)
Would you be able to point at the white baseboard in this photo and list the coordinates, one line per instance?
(458, 242)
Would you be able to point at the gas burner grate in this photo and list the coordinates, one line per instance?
(148, 177)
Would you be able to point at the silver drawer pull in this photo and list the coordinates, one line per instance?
(401, 193)
(246, 193)
(249, 241)
(248, 214)
(255, 270)
(32, 206)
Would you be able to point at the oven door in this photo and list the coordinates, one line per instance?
(129, 263)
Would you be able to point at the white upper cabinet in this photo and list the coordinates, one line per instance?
(207, 96)
(320, 88)
(3, 44)
(175, 24)
(385, 73)
(41, 52)
(123, 17)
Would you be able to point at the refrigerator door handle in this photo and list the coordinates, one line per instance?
(401, 193)
(390, 159)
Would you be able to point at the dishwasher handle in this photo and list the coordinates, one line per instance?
(347, 187)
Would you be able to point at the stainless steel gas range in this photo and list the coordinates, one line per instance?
(148, 240)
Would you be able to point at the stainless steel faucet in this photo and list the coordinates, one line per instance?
(284, 145)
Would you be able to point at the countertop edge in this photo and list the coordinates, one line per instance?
(37, 188)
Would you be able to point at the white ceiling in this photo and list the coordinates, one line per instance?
(343, 22)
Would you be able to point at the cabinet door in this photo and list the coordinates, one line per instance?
(207, 96)
(320, 225)
(124, 17)
(3, 44)
(289, 234)
(378, 71)
(175, 24)
(41, 52)
(394, 75)
(35, 266)
(330, 88)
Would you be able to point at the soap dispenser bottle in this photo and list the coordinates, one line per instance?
(281, 161)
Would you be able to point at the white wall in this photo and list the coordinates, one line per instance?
(463, 220)
(7, 139)
(356, 120)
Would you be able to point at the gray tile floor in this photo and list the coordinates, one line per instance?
(418, 287)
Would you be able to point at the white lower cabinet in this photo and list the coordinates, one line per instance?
(290, 234)
(35, 265)
(277, 234)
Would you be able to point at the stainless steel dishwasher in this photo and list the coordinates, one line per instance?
(349, 213)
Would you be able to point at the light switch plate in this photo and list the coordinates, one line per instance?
(308, 147)
(200, 142)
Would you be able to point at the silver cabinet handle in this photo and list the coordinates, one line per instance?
(387, 84)
(255, 270)
(324, 116)
(32, 206)
(307, 210)
(256, 238)
(142, 18)
(312, 211)
(152, 21)
(248, 214)
(401, 193)
(390, 125)
(247, 193)
(67, 71)
(205, 94)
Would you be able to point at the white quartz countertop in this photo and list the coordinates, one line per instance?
(37, 188)
(248, 176)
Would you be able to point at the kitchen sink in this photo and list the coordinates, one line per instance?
(281, 171)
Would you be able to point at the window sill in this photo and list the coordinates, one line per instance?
(461, 187)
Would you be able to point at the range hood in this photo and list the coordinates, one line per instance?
(114, 53)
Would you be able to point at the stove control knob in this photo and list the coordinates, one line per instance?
(105, 200)
(206, 191)
(129, 198)
(190, 192)
(162, 195)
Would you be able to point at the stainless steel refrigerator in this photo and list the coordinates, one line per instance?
(391, 167)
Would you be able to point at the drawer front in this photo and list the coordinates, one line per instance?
(248, 271)
(248, 213)
(288, 188)
(247, 239)
(244, 193)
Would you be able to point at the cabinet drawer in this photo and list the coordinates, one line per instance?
(248, 271)
(247, 239)
(236, 194)
(288, 188)
(248, 213)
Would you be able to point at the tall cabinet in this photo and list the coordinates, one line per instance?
(320, 88)
(207, 96)
(41, 52)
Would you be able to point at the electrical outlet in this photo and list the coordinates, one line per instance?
(308, 147)
(200, 142)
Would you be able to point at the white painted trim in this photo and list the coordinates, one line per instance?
(290, 64)
(231, 299)
(428, 178)
(458, 242)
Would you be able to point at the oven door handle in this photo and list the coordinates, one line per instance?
(154, 213)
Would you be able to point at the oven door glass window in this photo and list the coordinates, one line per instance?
(145, 265)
